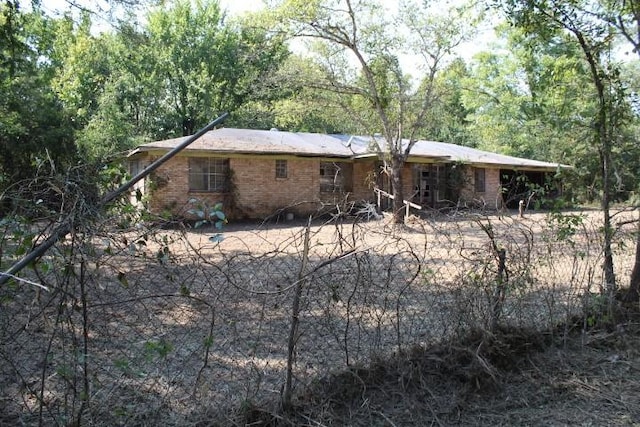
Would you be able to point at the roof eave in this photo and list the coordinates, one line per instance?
(201, 152)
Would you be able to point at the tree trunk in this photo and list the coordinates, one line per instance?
(396, 184)
(633, 294)
(609, 274)
(604, 141)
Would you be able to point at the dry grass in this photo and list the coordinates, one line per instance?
(513, 377)
(179, 330)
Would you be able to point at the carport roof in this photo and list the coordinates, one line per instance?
(459, 153)
(260, 142)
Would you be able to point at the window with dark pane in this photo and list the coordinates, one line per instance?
(281, 169)
(208, 174)
(334, 177)
(479, 180)
(135, 167)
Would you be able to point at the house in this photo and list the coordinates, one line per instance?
(256, 173)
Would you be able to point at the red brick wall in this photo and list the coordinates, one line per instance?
(407, 181)
(168, 188)
(258, 193)
(492, 177)
(492, 187)
(363, 180)
(255, 192)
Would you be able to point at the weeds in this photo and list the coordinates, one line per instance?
(331, 321)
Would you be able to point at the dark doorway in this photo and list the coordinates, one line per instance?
(520, 185)
(430, 185)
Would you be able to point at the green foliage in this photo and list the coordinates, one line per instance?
(108, 132)
(295, 103)
(204, 65)
(127, 369)
(597, 311)
(208, 215)
(531, 99)
(582, 23)
(208, 341)
(448, 119)
(157, 349)
(537, 99)
(32, 125)
(565, 226)
(16, 238)
(83, 67)
(113, 90)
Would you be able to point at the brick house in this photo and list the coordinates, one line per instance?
(257, 173)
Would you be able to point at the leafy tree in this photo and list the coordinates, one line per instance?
(531, 98)
(358, 47)
(33, 127)
(449, 119)
(109, 130)
(624, 16)
(305, 108)
(205, 65)
(126, 106)
(166, 79)
(594, 39)
(81, 67)
(86, 74)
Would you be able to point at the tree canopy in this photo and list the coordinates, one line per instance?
(330, 66)
(33, 127)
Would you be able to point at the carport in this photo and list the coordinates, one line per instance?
(527, 185)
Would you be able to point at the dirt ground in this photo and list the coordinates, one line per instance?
(261, 237)
(585, 379)
(183, 329)
(570, 376)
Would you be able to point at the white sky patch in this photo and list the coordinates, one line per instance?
(237, 7)
(102, 9)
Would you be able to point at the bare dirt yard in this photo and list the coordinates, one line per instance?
(562, 371)
(451, 320)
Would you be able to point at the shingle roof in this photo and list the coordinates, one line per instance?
(229, 140)
(458, 153)
(249, 141)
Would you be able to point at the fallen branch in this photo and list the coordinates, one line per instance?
(66, 227)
